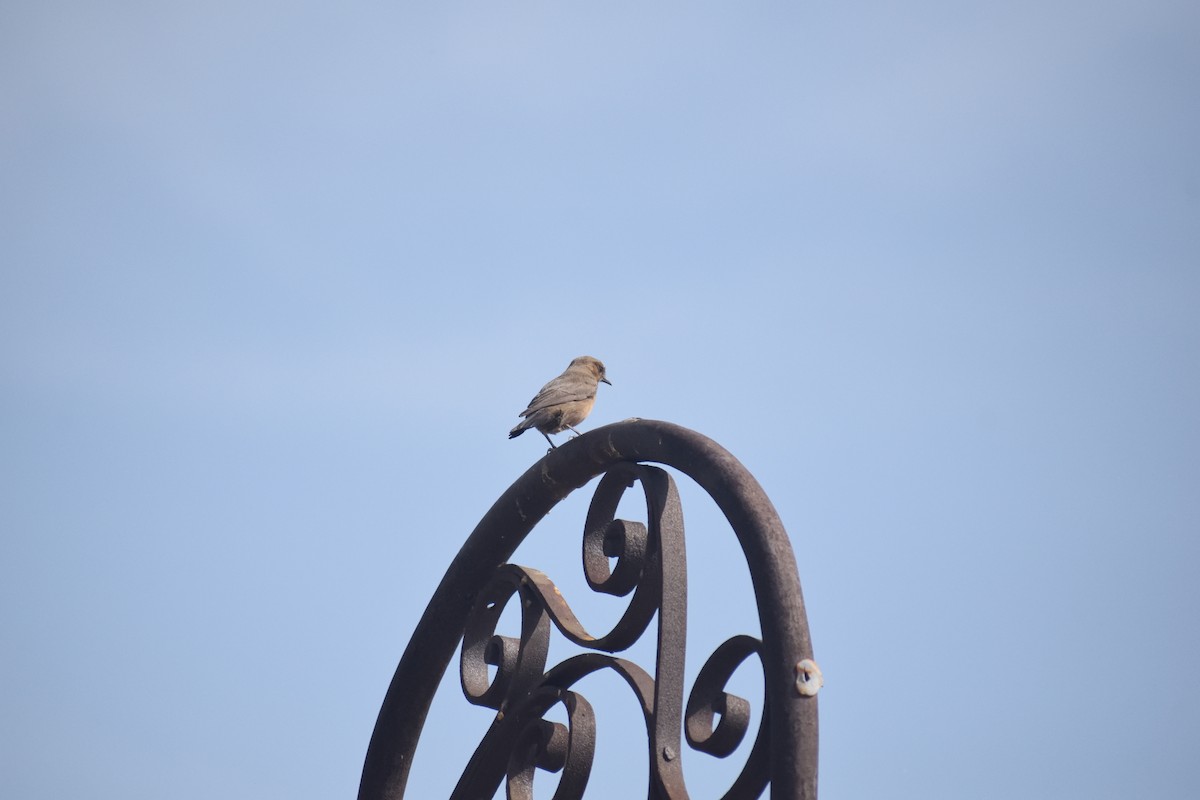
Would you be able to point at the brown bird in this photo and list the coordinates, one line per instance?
(565, 401)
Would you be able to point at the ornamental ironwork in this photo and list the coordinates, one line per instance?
(645, 562)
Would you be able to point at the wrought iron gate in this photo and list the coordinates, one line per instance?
(650, 565)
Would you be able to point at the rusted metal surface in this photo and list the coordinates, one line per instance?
(510, 674)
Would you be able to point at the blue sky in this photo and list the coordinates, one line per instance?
(276, 278)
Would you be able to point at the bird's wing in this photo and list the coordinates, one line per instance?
(558, 391)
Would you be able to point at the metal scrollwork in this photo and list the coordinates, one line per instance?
(645, 563)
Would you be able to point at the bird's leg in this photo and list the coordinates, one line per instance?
(553, 446)
(573, 430)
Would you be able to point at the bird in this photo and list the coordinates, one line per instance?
(565, 401)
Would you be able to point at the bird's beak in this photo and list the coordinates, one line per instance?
(606, 380)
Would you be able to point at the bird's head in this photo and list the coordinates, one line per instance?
(595, 365)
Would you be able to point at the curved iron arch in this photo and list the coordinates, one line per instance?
(479, 581)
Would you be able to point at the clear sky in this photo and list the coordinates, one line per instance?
(276, 278)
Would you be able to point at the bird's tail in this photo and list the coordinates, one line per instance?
(522, 426)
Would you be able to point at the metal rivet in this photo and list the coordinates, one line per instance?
(808, 678)
(668, 753)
